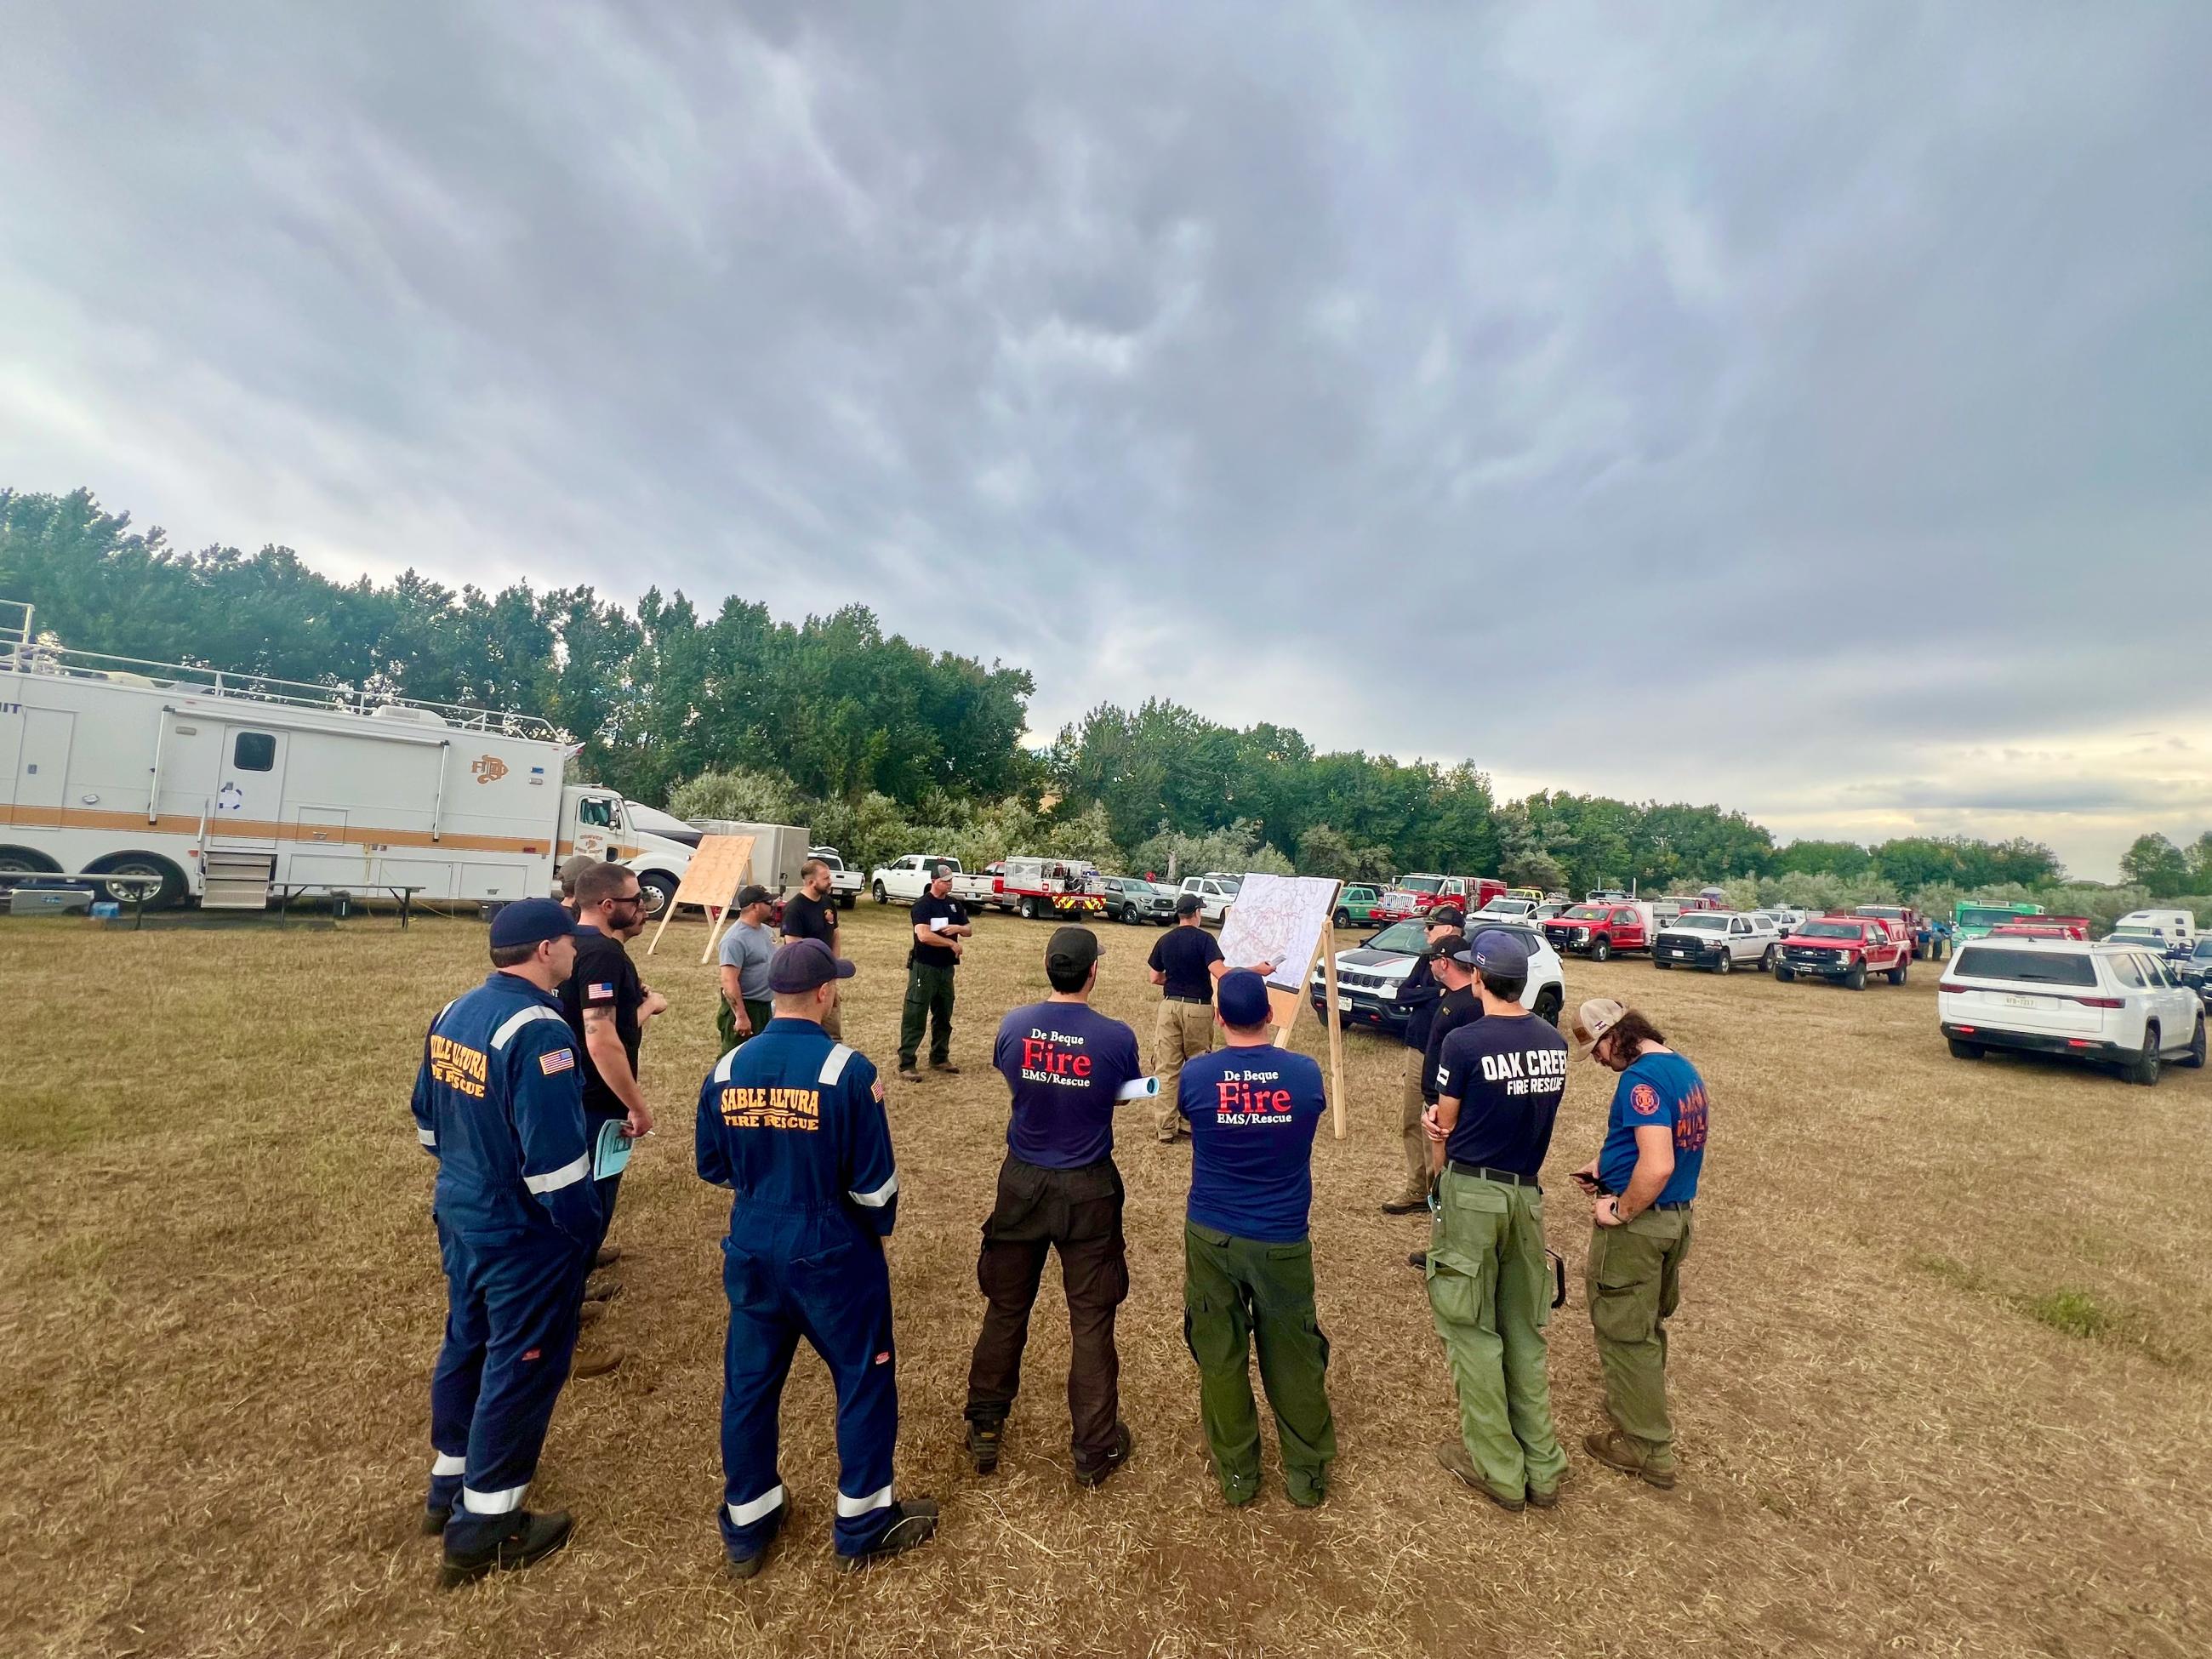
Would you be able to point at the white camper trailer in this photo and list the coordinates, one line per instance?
(232, 788)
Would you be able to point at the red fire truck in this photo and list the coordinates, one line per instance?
(1416, 896)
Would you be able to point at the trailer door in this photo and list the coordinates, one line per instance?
(36, 745)
(249, 797)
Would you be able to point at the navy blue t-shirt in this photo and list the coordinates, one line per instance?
(1067, 1064)
(1661, 1090)
(1507, 1072)
(1253, 1113)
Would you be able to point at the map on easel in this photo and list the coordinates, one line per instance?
(710, 883)
(1284, 919)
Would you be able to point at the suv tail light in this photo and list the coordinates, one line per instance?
(2100, 1002)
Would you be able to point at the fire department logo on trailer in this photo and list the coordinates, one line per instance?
(487, 767)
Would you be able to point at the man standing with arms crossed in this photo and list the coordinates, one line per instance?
(1185, 963)
(811, 912)
(1498, 1083)
(497, 1103)
(1058, 1190)
(940, 922)
(1248, 1261)
(1418, 995)
(1642, 1182)
(607, 1005)
(747, 945)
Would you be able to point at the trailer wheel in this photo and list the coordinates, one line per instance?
(23, 862)
(657, 889)
(140, 864)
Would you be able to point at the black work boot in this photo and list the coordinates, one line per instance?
(984, 1439)
(528, 1539)
(435, 1517)
(745, 1566)
(1125, 1446)
(912, 1522)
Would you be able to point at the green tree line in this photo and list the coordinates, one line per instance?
(884, 746)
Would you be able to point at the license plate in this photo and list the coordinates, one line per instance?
(2020, 1002)
(1683, 955)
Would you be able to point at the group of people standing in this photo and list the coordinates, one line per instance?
(792, 1120)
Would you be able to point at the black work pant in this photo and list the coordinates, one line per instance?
(928, 999)
(1078, 1213)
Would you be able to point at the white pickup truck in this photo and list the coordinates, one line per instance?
(906, 880)
(845, 885)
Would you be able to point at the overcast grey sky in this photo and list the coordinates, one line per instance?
(1805, 408)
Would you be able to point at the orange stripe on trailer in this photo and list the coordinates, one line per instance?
(312, 835)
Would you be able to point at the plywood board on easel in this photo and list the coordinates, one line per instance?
(719, 866)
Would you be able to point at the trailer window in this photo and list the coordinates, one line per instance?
(254, 751)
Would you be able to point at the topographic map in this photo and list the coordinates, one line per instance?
(1278, 919)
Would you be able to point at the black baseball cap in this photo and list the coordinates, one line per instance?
(1449, 945)
(753, 893)
(1189, 905)
(1445, 915)
(1072, 949)
(803, 964)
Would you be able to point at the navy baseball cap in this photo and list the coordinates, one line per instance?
(1496, 951)
(802, 964)
(1242, 996)
(532, 921)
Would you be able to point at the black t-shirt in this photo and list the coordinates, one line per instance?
(1507, 1075)
(812, 918)
(927, 910)
(605, 978)
(1418, 996)
(1455, 1009)
(1184, 955)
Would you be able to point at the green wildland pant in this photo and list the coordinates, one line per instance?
(1634, 1281)
(757, 1015)
(1236, 1292)
(1490, 1292)
(928, 998)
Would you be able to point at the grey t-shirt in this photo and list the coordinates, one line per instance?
(747, 949)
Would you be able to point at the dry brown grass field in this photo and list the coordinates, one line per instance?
(1943, 1368)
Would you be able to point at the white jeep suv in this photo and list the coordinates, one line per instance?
(2118, 1004)
(1369, 978)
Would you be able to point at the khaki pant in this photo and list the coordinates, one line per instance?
(1490, 1292)
(1413, 1137)
(1633, 1280)
(1180, 1031)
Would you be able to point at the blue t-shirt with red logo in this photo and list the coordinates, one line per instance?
(1659, 1090)
(1067, 1064)
(1253, 1113)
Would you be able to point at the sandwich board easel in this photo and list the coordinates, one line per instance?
(718, 869)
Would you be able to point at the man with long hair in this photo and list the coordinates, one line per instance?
(1642, 1183)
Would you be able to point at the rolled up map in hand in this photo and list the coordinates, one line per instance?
(1142, 1088)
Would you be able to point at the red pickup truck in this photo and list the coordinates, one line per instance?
(1601, 930)
(1845, 948)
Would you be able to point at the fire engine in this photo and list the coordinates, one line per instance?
(1416, 896)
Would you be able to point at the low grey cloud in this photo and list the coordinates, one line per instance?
(1797, 408)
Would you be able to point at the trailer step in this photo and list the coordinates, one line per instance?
(237, 880)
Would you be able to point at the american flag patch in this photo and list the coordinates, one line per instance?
(561, 1060)
(605, 990)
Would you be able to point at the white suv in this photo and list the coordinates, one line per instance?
(1718, 940)
(1369, 978)
(2118, 1004)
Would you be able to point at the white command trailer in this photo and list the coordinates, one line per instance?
(233, 788)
